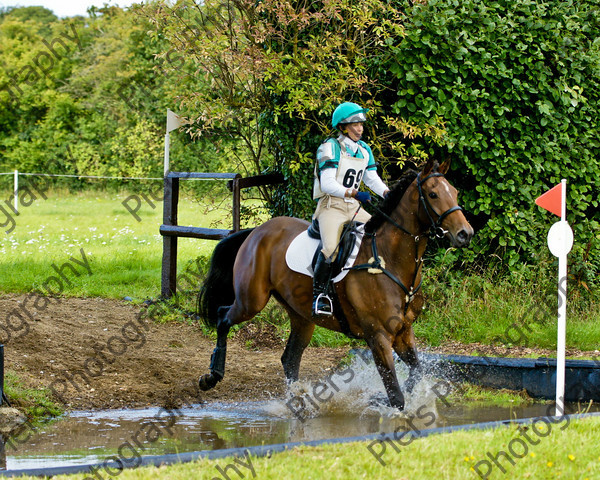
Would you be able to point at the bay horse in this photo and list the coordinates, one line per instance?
(249, 266)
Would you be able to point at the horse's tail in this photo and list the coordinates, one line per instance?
(217, 289)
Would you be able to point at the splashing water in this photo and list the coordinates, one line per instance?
(357, 391)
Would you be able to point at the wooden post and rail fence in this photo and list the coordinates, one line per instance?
(171, 231)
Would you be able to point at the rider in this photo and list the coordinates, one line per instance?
(342, 164)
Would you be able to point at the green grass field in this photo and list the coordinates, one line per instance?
(103, 251)
(124, 254)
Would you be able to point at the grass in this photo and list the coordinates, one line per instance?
(469, 393)
(564, 449)
(124, 256)
(35, 403)
(518, 308)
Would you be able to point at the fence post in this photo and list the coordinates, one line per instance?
(3, 398)
(235, 188)
(16, 192)
(169, 263)
(170, 230)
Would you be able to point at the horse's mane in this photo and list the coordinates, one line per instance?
(391, 201)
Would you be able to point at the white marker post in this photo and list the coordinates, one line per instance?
(560, 242)
(16, 192)
(174, 121)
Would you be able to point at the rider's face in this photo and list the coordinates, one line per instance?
(354, 130)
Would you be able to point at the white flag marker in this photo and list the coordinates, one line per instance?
(174, 121)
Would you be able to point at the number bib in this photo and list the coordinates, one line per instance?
(350, 170)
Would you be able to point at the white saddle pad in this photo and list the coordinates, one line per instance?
(302, 250)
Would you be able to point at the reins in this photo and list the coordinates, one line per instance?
(435, 230)
(378, 265)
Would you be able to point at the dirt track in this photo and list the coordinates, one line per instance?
(97, 353)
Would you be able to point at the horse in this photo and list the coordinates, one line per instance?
(248, 267)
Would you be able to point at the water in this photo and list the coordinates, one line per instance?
(341, 405)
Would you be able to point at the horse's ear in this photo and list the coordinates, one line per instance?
(444, 167)
(429, 166)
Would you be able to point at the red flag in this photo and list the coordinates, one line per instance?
(551, 200)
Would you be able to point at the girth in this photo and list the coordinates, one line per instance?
(411, 291)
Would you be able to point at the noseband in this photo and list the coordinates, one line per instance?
(435, 230)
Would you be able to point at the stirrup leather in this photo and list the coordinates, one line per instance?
(317, 310)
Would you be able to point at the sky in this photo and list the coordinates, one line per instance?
(67, 8)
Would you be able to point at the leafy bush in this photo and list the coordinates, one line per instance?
(517, 86)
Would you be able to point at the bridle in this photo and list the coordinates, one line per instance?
(435, 231)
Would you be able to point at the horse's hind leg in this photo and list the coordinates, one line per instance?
(217, 359)
(301, 332)
(228, 317)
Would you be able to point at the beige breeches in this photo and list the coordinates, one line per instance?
(332, 213)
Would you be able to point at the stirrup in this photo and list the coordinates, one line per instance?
(317, 310)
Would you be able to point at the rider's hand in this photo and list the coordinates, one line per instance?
(363, 197)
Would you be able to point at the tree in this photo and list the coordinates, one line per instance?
(79, 95)
(270, 74)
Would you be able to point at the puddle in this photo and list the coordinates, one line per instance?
(341, 405)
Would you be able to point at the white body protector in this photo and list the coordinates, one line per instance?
(350, 171)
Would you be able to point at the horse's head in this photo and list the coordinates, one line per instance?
(438, 205)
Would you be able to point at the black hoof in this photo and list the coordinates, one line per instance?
(208, 381)
(382, 400)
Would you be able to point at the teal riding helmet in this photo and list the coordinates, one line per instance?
(348, 112)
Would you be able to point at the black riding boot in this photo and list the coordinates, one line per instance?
(321, 301)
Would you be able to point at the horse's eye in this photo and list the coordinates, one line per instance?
(433, 195)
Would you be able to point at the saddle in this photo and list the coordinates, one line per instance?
(345, 248)
(302, 254)
(304, 249)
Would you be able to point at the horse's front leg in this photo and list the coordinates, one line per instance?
(381, 347)
(405, 347)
